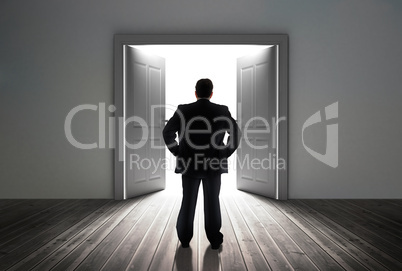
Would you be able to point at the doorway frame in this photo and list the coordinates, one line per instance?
(281, 40)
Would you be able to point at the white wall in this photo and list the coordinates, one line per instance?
(55, 55)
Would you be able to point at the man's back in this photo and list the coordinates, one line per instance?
(201, 127)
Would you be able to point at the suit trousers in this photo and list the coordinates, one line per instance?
(212, 212)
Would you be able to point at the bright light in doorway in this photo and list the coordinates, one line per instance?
(185, 65)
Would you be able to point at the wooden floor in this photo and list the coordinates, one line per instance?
(259, 234)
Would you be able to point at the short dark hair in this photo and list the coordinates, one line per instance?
(203, 88)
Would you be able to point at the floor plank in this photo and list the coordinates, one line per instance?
(103, 241)
(380, 209)
(323, 236)
(291, 251)
(368, 254)
(259, 234)
(38, 237)
(166, 251)
(252, 255)
(56, 244)
(19, 232)
(115, 248)
(395, 202)
(319, 257)
(231, 257)
(273, 254)
(87, 240)
(375, 223)
(23, 210)
(143, 255)
(363, 229)
(6, 203)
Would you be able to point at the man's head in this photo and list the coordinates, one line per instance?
(203, 88)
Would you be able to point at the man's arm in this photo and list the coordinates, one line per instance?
(234, 136)
(169, 133)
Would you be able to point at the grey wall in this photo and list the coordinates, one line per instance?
(55, 55)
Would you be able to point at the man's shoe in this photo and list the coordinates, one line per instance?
(215, 246)
(185, 245)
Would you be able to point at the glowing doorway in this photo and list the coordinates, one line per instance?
(279, 101)
(185, 64)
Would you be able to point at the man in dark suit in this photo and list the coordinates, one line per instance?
(201, 155)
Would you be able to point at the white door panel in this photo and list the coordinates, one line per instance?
(256, 97)
(145, 97)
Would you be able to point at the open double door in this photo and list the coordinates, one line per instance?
(139, 165)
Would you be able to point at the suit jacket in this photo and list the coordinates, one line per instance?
(201, 127)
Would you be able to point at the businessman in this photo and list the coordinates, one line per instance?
(201, 156)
